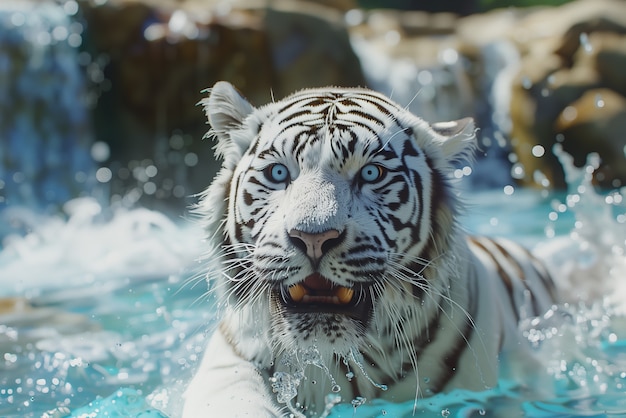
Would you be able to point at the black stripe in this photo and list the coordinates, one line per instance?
(507, 280)
(363, 248)
(428, 333)
(297, 99)
(363, 261)
(253, 147)
(424, 337)
(452, 357)
(543, 274)
(378, 103)
(290, 116)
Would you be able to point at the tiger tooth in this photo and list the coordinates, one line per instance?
(297, 292)
(344, 294)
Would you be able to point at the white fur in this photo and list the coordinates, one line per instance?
(259, 338)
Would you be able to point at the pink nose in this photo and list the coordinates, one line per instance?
(314, 243)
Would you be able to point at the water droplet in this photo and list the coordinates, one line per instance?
(517, 171)
(335, 388)
(357, 358)
(100, 151)
(191, 159)
(599, 101)
(445, 412)
(104, 175)
(425, 77)
(570, 113)
(151, 171)
(18, 19)
(541, 178)
(538, 151)
(358, 401)
(354, 17)
(584, 42)
(449, 56)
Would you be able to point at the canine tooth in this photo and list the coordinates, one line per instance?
(297, 292)
(344, 294)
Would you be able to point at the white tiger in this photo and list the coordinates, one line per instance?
(339, 259)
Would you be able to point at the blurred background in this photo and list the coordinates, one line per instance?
(99, 97)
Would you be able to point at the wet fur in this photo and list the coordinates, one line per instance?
(442, 306)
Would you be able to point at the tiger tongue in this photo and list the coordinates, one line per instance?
(317, 282)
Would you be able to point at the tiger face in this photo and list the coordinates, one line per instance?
(329, 219)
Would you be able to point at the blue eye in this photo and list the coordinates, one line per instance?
(277, 173)
(372, 172)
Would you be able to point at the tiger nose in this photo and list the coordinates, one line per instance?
(315, 245)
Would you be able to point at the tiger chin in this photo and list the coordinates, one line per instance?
(338, 258)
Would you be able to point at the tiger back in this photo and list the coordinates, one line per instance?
(337, 254)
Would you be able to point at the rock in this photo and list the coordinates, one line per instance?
(579, 52)
(596, 122)
(610, 61)
(309, 47)
(580, 32)
(540, 93)
(161, 54)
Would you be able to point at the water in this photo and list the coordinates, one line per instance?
(104, 311)
(45, 131)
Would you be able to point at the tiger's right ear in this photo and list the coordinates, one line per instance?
(226, 110)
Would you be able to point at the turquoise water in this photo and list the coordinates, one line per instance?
(105, 312)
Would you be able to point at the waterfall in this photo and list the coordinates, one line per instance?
(45, 131)
(446, 88)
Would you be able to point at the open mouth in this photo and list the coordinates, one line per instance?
(317, 295)
(316, 289)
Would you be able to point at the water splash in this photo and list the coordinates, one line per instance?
(77, 248)
(286, 383)
(357, 358)
(590, 261)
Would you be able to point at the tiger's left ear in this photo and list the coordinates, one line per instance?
(227, 109)
(456, 138)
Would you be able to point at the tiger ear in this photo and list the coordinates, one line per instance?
(226, 110)
(457, 138)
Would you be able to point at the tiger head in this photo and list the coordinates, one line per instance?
(333, 213)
